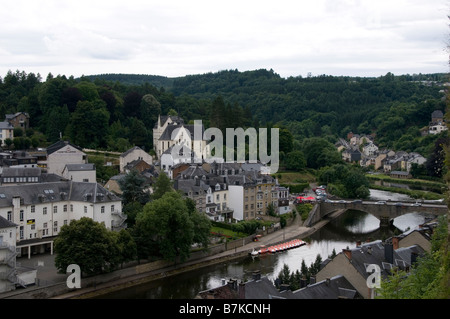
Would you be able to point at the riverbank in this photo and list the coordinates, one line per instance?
(138, 274)
(295, 230)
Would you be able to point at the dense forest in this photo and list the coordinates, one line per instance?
(116, 111)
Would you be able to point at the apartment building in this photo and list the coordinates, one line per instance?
(40, 210)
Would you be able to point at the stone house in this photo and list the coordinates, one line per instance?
(19, 119)
(352, 263)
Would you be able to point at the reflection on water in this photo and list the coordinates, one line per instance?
(338, 234)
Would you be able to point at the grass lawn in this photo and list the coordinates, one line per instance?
(226, 232)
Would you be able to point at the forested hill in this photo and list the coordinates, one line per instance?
(114, 111)
(134, 79)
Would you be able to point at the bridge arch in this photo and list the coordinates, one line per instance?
(385, 212)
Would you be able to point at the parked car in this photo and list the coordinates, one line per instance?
(380, 202)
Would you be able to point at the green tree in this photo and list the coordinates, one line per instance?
(295, 161)
(126, 245)
(165, 228)
(150, 108)
(132, 186)
(89, 245)
(89, 124)
(162, 185)
(429, 276)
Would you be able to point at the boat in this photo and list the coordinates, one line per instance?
(278, 248)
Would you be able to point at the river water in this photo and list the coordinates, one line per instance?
(338, 234)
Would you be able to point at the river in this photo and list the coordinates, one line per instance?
(343, 232)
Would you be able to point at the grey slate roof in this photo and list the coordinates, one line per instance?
(54, 192)
(60, 144)
(80, 167)
(21, 171)
(263, 288)
(4, 223)
(379, 253)
(167, 134)
(5, 125)
(334, 288)
(130, 151)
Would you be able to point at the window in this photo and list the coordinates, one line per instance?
(9, 216)
(71, 207)
(55, 209)
(65, 208)
(21, 232)
(33, 208)
(21, 215)
(85, 209)
(112, 208)
(44, 210)
(102, 209)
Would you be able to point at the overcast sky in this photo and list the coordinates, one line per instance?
(176, 38)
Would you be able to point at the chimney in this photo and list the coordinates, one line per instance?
(348, 253)
(395, 241)
(303, 282)
(256, 275)
(389, 252)
(242, 290)
(284, 287)
(327, 281)
(312, 280)
(232, 283)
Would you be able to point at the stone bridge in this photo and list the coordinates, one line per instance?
(386, 212)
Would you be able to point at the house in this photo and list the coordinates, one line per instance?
(175, 155)
(400, 174)
(62, 153)
(19, 119)
(160, 127)
(352, 263)
(351, 155)
(260, 287)
(370, 149)
(20, 175)
(112, 184)
(7, 255)
(40, 210)
(133, 154)
(437, 123)
(412, 158)
(171, 130)
(140, 165)
(380, 158)
(6, 132)
(80, 172)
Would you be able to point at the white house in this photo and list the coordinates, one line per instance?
(6, 131)
(236, 200)
(437, 128)
(217, 198)
(133, 154)
(174, 155)
(80, 172)
(40, 210)
(171, 131)
(7, 255)
(160, 127)
(62, 153)
(370, 149)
